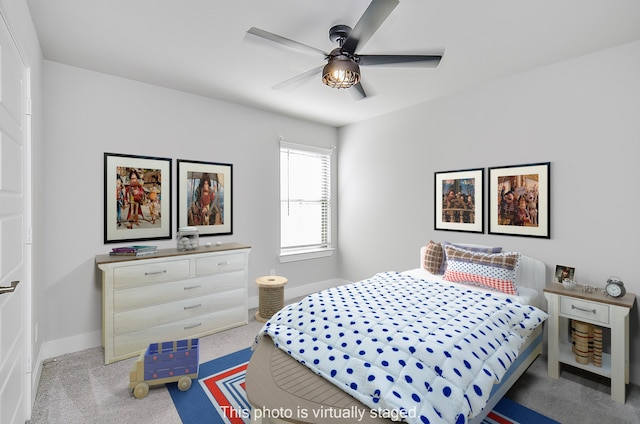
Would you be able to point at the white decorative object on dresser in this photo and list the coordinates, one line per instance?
(593, 308)
(171, 295)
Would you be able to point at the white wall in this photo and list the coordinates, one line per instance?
(581, 115)
(88, 114)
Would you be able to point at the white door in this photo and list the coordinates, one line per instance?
(14, 352)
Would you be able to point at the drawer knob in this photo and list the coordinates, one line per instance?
(186, 308)
(164, 271)
(196, 286)
(593, 311)
(223, 263)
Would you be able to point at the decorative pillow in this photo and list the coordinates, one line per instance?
(492, 270)
(480, 249)
(433, 258)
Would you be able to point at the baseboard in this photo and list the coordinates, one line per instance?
(55, 348)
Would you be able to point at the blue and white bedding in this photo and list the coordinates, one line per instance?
(426, 352)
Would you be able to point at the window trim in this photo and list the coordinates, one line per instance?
(302, 253)
(293, 255)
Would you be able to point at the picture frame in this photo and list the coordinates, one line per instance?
(563, 272)
(458, 200)
(519, 200)
(213, 216)
(137, 205)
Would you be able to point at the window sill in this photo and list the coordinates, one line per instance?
(302, 255)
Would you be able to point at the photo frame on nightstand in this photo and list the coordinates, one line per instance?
(563, 272)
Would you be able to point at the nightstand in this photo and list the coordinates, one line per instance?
(594, 308)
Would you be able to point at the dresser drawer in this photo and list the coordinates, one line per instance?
(219, 264)
(142, 296)
(149, 273)
(131, 344)
(584, 310)
(152, 316)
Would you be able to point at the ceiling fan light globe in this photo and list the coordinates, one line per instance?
(340, 72)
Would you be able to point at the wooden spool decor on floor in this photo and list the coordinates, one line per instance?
(271, 296)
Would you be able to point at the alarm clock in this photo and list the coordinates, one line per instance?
(615, 287)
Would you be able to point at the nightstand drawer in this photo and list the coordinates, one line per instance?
(584, 310)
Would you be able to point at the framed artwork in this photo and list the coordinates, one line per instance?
(459, 201)
(563, 272)
(519, 200)
(205, 196)
(137, 205)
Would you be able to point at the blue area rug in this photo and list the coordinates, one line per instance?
(218, 396)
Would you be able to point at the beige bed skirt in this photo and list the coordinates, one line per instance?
(281, 390)
(275, 378)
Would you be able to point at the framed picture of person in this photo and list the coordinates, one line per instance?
(459, 200)
(137, 198)
(205, 196)
(519, 200)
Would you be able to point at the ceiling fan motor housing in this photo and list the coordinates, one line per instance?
(339, 33)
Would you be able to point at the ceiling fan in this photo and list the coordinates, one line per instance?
(343, 63)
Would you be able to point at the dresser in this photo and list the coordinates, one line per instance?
(171, 295)
(593, 308)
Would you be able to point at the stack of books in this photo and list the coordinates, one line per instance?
(134, 251)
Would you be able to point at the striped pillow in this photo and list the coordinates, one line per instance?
(496, 271)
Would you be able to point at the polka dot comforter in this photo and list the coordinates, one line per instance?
(423, 352)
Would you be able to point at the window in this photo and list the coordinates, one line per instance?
(305, 201)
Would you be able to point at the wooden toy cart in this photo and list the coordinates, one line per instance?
(165, 362)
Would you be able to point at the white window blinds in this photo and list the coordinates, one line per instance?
(305, 197)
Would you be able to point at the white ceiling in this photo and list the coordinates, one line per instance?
(199, 46)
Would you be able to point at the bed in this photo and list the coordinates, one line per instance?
(395, 347)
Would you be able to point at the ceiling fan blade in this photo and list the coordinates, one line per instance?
(357, 91)
(368, 24)
(291, 82)
(283, 41)
(429, 61)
